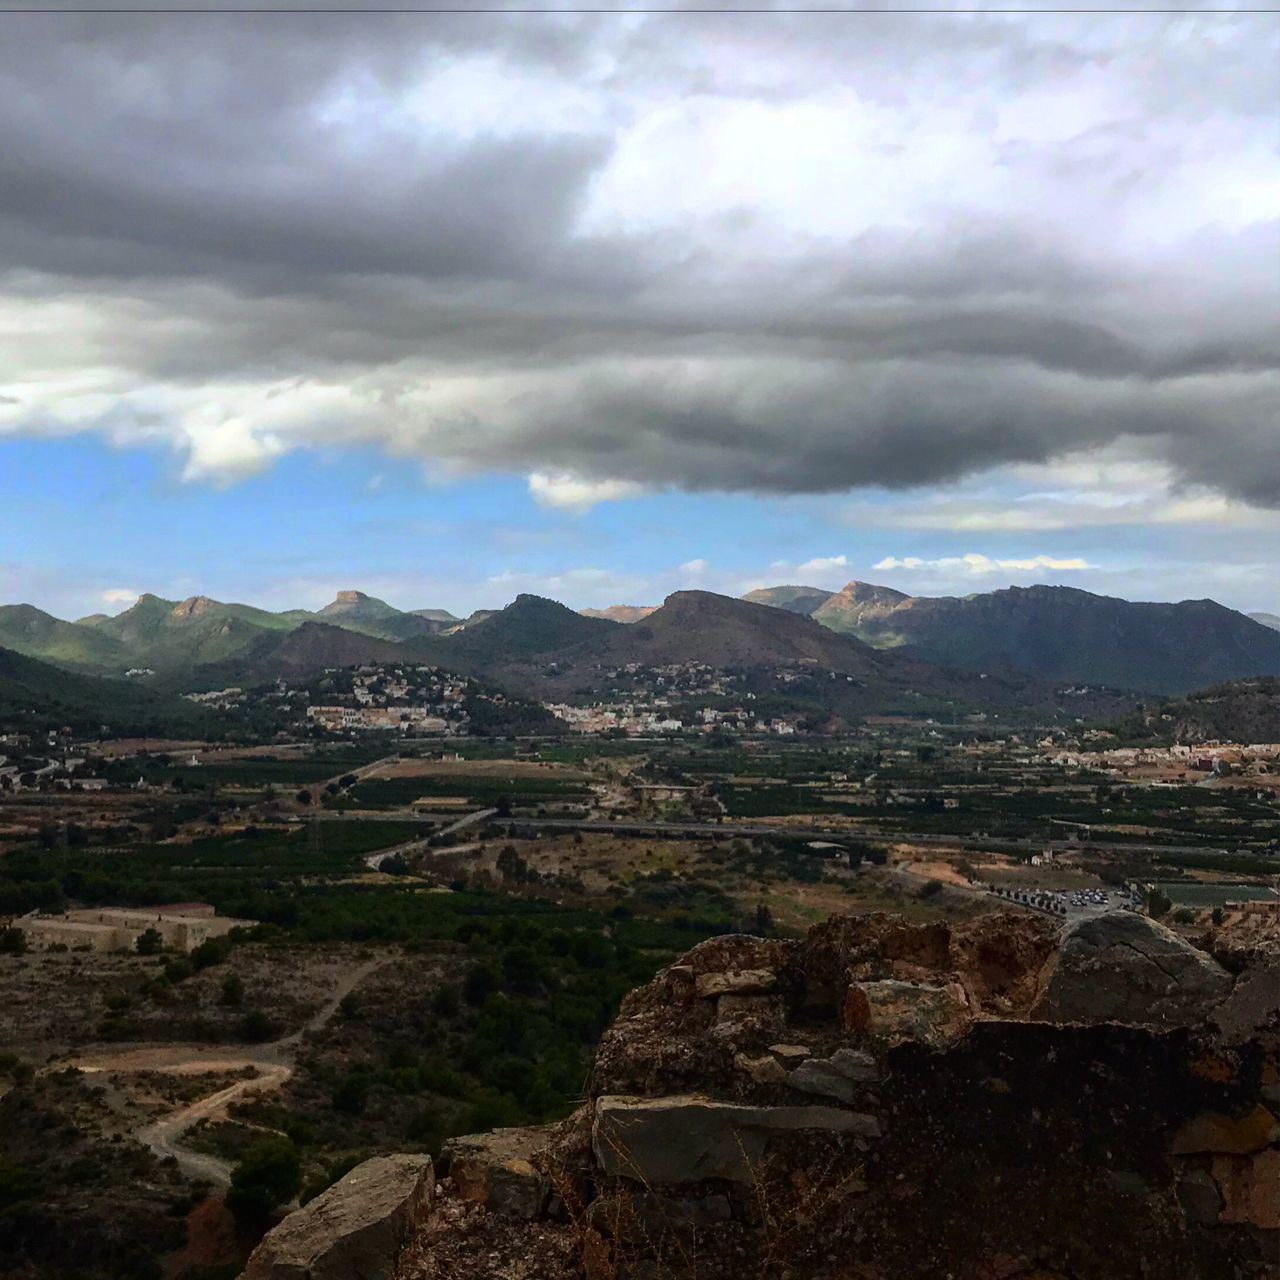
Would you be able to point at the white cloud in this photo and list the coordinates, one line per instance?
(119, 595)
(980, 565)
(695, 568)
(572, 493)
(823, 564)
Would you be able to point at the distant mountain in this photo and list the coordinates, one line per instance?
(359, 612)
(529, 630)
(858, 609)
(1267, 619)
(436, 615)
(27, 630)
(1238, 711)
(1062, 634)
(700, 626)
(805, 600)
(620, 612)
(167, 634)
(314, 646)
(36, 696)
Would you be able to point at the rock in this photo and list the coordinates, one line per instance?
(689, 1138)
(766, 1012)
(1123, 967)
(355, 1228)
(1250, 1188)
(1252, 1006)
(895, 1011)
(792, 1054)
(1214, 1132)
(837, 1076)
(762, 1070)
(739, 982)
(1199, 1196)
(495, 1170)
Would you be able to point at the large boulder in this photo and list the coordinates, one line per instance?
(496, 1170)
(688, 1138)
(354, 1230)
(1123, 967)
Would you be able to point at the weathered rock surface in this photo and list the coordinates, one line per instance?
(692, 1139)
(353, 1231)
(736, 982)
(840, 1076)
(1126, 968)
(894, 1011)
(497, 1170)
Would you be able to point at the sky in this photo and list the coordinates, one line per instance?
(450, 306)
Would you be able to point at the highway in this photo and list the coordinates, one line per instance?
(729, 830)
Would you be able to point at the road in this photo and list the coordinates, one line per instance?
(272, 1065)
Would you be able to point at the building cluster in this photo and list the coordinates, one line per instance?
(641, 720)
(40, 772)
(415, 701)
(180, 926)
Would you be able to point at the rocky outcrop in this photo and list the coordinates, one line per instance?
(496, 1170)
(353, 1231)
(689, 1139)
(886, 1099)
(1126, 968)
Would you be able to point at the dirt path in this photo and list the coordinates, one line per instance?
(272, 1064)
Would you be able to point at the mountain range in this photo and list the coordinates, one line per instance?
(1055, 633)
(877, 648)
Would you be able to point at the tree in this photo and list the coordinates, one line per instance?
(481, 981)
(764, 918)
(269, 1175)
(303, 796)
(13, 942)
(1159, 903)
(149, 943)
(232, 994)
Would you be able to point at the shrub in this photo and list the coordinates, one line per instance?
(270, 1174)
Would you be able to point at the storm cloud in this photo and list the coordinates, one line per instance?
(773, 253)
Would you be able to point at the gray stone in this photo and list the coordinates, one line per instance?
(737, 982)
(688, 1138)
(1124, 967)
(762, 1070)
(496, 1170)
(837, 1076)
(356, 1228)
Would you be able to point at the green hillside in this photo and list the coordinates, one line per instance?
(35, 696)
(30, 631)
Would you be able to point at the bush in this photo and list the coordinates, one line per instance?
(232, 994)
(480, 983)
(270, 1174)
(149, 943)
(255, 1027)
(445, 1002)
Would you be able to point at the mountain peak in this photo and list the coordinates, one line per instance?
(194, 607)
(871, 593)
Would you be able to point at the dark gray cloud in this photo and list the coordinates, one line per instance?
(780, 253)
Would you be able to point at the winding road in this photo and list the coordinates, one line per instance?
(272, 1065)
